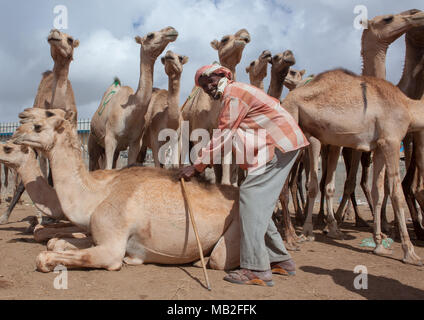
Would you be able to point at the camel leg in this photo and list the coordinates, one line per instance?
(417, 170)
(94, 152)
(332, 159)
(377, 191)
(392, 154)
(366, 164)
(64, 244)
(293, 185)
(45, 234)
(289, 232)
(407, 149)
(385, 225)
(226, 253)
(155, 151)
(314, 150)
(321, 213)
(18, 193)
(109, 237)
(110, 148)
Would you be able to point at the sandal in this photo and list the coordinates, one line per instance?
(285, 268)
(249, 277)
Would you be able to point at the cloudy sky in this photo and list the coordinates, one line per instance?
(319, 32)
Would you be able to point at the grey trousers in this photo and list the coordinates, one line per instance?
(260, 242)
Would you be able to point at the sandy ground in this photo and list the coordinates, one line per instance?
(325, 271)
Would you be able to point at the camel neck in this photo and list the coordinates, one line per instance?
(41, 193)
(145, 84)
(374, 58)
(75, 186)
(412, 86)
(231, 68)
(174, 96)
(60, 84)
(277, 80)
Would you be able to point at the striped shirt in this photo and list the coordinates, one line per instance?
(251, 124)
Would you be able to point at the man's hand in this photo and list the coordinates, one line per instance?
(187, 173)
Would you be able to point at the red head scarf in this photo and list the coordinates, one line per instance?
(212, 69)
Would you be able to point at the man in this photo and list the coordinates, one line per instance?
(247, 109)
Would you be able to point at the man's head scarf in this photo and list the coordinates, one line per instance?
(215, 69)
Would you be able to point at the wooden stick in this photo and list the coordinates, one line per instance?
(190, 210)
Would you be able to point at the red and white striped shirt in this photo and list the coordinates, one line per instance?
(254, 124)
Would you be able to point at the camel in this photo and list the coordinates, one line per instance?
(24, 161)
(293, 78)
(201, 111)
(364, 113)
(412, 84)
(54, 91)
(121, 210)
(381, 32)
(281, 64)
(257, 69)
(164, 111)
(118, 122)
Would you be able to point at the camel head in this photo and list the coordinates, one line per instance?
(42, 131)
(14, 155)
(387, 28)
(33, 114)
(257, 68)
(282, 61)
(293, 78)
(61, 45)
(173, 63)
(153, 44)
(230, 48)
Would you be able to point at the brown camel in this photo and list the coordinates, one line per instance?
(412, 84)
(121, 207)
(118, 122)
(164, 111)
(201, 111)
(281, 64)
(294, 78)
(381, 32)
(257, 69)
(339, 108)
(54, 90)
(24, 161)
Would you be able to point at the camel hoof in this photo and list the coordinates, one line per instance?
(301, 238)
(381, 251)
(42, 262)
(308, 233)
(4, 219)
(290, 246)
(133, 261)
(413, 259)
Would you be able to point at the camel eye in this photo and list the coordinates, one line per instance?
(7, 149)
(252, 63)
(275, 57)
(37, 128)
(292, 73)
(70, 40)
(388, 19)
(180, 58)
(225, 39)
(150, 36)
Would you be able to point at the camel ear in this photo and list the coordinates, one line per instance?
(214, 44)
(185, 60)
(69, 115)
(162, 60)
(139, 39)
(76, 43)
(58, 123)
(302, 72)
(247, 69)
(24, 149)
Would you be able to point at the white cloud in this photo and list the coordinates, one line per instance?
(320, 33)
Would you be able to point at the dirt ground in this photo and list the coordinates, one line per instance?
(325, 271)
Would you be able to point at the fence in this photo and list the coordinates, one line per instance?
(7, 129)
